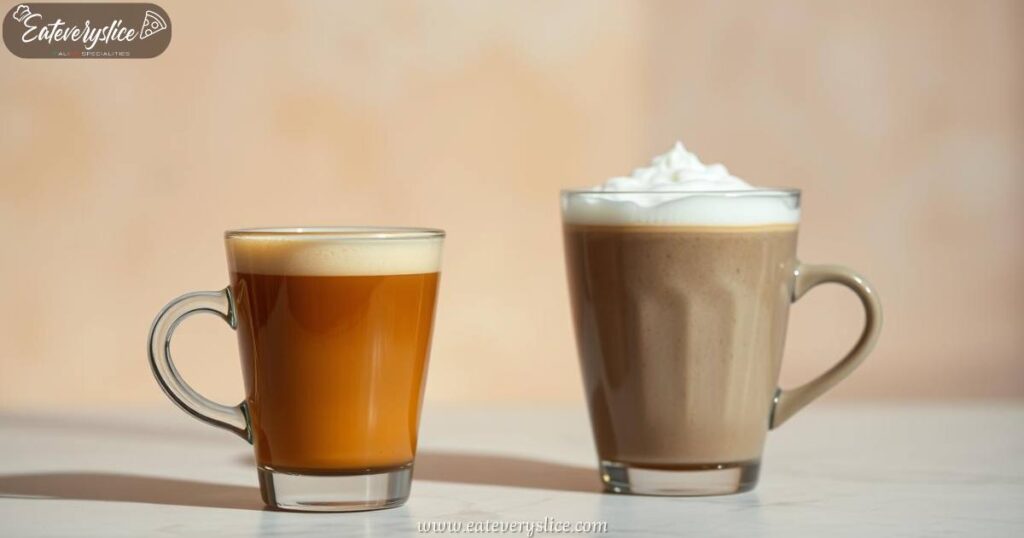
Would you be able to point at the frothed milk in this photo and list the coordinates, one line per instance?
(678, 190)
(680, 278)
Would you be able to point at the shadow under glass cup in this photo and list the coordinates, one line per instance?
(680, 303)
(334, 329)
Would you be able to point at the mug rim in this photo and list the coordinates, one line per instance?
(337, 232)
(757, 191)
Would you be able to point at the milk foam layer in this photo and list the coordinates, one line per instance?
(679, 190)
(304, 255)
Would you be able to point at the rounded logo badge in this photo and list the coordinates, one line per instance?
(62, 30)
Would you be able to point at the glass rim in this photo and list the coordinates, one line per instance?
(346, 233)
(759, 191)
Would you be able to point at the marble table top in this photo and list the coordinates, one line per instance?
(834, 470)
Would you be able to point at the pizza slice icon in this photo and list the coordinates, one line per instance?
(152, 24)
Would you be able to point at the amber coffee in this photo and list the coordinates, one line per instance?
(334, 349)
(334, 328)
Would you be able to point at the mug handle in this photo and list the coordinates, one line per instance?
(232, 418)
(806, 276)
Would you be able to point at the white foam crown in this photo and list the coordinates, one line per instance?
(312, 256)
(679, 190)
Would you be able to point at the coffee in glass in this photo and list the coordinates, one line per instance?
(334, 328)
(681, 279)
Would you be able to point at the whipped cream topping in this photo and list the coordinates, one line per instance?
(677, 171)
(677, 189)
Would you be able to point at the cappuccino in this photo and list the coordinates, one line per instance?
(680, 278)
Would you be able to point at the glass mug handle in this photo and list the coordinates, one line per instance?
(232, 418)
(806, 276)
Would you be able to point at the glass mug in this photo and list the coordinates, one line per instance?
(334, 329)
(680, 331)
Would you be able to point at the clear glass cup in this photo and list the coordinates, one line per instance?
(334, 329)
(680, 304)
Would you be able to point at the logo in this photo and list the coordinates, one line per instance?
(58, 30)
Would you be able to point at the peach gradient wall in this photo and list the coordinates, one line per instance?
(902, 121)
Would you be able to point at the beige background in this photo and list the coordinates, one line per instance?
(902, 121)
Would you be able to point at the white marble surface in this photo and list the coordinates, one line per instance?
(834, 470)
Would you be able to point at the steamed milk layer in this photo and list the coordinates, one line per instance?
(679, 190)
(333, 255)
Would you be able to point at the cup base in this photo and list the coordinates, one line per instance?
(341, 492)
(681, 480)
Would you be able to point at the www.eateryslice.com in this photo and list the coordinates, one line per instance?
(548, 525)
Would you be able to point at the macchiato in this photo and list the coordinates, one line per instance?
(334, 328)
(334, 347)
